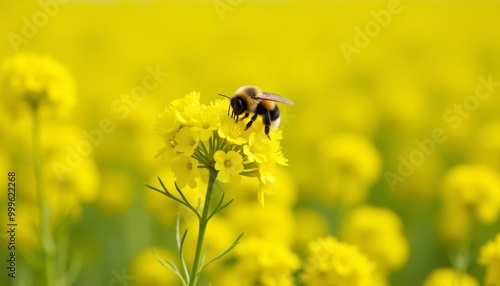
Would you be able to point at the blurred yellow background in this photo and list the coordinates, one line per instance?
(390, 97)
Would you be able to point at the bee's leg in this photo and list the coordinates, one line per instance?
(244, 117)
(251, 121)
(267, 122)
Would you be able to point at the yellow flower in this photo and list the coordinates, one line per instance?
(207, 134)
(351, 165)
(261, 262)
(266, 172)
(167, 152)
(206, 123)
(265, 189)
(229, 166)
(309, 224)
(37, 80)
(186, 108)
(167, 123)
(274, 222)
(276, 152)
(332, 263)
(449, 277)
(475, 189)
(257, 148)
(378, 232)
(490, 257)
(231, 132)
(187, 141)
(186, 171)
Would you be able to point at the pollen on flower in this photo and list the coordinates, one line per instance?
(229, 166)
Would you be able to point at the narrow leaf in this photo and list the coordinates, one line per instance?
(186, 202)
(215, 209)
(181, 254)
(171, 266)
(236, 241)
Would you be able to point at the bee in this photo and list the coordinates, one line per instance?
(252, 100)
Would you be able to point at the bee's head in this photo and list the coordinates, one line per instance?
(238, 105)
(248, 90)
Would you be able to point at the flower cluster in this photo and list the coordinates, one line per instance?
(470, 193)
(40, 87)
(331, 262)
(490, 257)
(199, 136)
(378, 232)
(474, 188)
(449, 277)
(352, 164)
(37, 80)
(261, 262)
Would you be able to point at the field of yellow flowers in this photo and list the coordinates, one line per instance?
(121, 165)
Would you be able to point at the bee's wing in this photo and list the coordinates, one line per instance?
(274, 97)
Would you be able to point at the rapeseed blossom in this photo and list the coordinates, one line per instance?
(352, 164)
(474, 190)
(331, 263)
(201, 136)
(261, 262)
(41, 87)
(38, 81)
(490, 257)
(449, 277)
(378, 232)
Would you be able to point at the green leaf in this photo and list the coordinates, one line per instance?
(233, 245)
(218, 208)
(180, 243)
(171, 266)
(186, 202)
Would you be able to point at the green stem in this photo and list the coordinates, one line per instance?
(202, 228)
(46, 240)
(462, 260)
